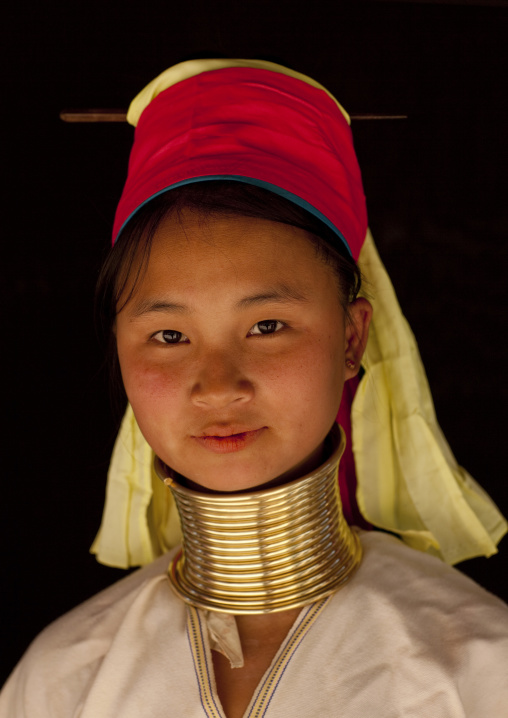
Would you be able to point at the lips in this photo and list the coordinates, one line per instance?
(221, 430)
(227, 439)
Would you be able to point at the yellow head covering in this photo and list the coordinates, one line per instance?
(409, 482)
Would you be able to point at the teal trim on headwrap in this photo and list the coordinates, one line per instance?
(247, 180)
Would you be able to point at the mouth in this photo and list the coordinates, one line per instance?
(223, 440)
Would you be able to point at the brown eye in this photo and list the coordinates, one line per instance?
(267, 326)
(170, 336)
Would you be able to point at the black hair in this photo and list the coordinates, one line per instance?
(212, 197)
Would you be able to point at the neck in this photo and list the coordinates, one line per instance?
(268, 550)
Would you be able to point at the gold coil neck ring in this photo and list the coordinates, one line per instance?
(268, 550)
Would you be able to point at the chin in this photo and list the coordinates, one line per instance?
(228, 476)
(224, 483)
(248, 469)
(239, 477)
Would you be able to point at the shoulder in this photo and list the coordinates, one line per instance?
(409, 583)
(430, 623)
(63, 659)
(102, 614)
(414, 578)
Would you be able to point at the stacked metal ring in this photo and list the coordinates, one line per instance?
(266, 550)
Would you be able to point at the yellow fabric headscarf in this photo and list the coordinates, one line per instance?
(409, 482)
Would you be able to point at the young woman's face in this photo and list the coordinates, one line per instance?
(232, 350)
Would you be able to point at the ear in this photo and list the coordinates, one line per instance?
(356, 334)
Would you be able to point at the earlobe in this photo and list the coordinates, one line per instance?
(357, 332)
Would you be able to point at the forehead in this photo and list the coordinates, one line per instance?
(191, 244)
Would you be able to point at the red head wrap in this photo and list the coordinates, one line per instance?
(253, 125)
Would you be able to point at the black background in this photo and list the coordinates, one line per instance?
(436, 193)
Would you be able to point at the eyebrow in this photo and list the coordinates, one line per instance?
(148, 306)
(282, 293)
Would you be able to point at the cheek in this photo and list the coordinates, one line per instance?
(324, 380)
(150, 386)
(304, 383)
(308, 381)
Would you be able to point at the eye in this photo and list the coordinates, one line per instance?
(267, 326)
(170, 336)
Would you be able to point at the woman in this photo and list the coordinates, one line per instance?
(232, 294)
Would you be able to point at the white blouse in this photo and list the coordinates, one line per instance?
(407, 637)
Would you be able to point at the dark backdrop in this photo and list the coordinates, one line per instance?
(437, 208)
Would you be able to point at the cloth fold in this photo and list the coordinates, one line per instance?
(223, 635)
(408, 479)
(140, 520)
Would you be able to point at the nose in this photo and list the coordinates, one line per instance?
(221, 382)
